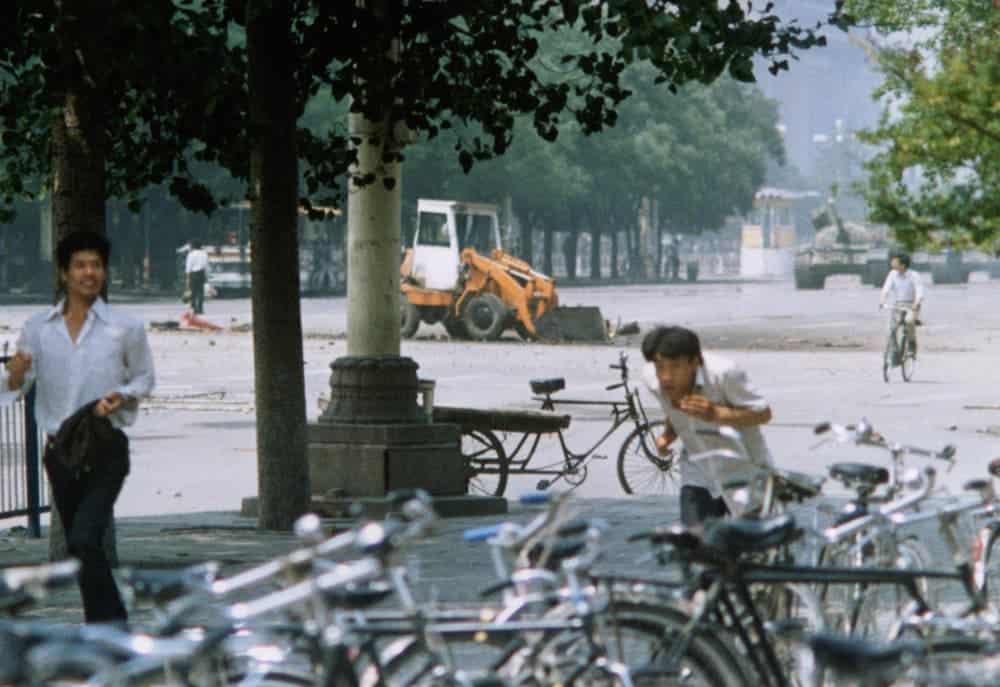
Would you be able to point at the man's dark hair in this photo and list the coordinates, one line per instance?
(671, 342)
(195, 244)
(903, 258)
(82, 240)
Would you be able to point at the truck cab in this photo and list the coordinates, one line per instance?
(444, 228)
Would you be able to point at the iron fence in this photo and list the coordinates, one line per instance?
(23, 488)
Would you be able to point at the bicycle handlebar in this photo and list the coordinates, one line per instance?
(886, 511)
(863, 434)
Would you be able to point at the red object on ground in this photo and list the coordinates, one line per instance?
(189, 319)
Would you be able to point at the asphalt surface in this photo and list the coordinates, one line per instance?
(815, 355)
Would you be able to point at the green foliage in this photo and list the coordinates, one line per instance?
(171, 76)
(701, 152)
(162, 74)
(936, 177)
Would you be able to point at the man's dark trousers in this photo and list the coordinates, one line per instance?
(85, 500)
(198, 291)
(698, 505)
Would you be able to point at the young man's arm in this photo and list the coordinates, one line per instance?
(668, 437)
(743, 406)
(918, 287)
(142, 379)
(19, 374)
(731, 416)
(887, 287)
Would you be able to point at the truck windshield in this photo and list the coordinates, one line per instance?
(476, 231)
(433, 229)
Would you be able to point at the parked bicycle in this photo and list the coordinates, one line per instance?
(489, 462)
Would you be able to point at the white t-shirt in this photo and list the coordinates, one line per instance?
(197, 260)
(720, 381)
(907, 287)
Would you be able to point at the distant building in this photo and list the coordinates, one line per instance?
(772, 230)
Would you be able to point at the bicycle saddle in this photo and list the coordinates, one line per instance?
(737, 537)
(859, 472)
(548, 386)
(798, 486)
(976, 485)
(358, 597)
(558, 552)
(163, 586)
(856, 657)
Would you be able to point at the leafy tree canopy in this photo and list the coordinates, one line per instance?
(936, 175)
(171, 75)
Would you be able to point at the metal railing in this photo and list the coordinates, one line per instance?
(23, 489)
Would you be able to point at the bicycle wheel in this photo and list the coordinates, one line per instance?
(875, 609)
(641, 469)
(641, 635)
(888, 358)
(906, 360)
(988, 577)
(486, 463)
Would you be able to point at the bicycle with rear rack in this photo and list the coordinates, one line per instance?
(490, 463)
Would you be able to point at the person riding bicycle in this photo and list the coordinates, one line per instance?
(701, 391)
(907, 290)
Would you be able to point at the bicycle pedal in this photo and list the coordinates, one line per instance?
(543, 484)
(598, 456)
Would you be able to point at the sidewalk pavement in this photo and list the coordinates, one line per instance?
(443, 565)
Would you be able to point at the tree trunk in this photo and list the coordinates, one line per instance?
(569, 252)
(614, 250)
(374, 225)
(279, 380)
(595, 253)
(527, 241)
(547, 250)
(659, 250)
(78, 167)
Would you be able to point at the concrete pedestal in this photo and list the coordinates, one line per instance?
(374, 438)
(370, 460)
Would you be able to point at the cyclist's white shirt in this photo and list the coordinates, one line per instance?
(904, 288)
(720, 381)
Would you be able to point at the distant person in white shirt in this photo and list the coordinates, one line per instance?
(83, 356)
(701, 391)
(907, 290)
(195, 268)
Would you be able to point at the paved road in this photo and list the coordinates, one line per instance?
(814, 354)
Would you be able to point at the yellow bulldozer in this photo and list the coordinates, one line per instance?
(456, 273)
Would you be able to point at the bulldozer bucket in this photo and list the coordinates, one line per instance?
(577, 323)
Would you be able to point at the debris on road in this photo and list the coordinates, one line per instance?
(191, 321)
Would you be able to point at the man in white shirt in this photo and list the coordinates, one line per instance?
(907, 290)
(195, 267)
(702, 391)
(84, 352)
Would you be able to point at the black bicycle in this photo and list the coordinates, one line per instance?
(489, 462)
(900, 351)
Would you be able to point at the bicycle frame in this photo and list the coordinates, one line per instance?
(622, 411)
(723, 591)
(894, 346)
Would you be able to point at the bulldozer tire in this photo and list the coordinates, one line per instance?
(409, 316)
(522, 331)
(455, 328)
(484, 317)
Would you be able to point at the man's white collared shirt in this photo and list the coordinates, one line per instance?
(907, 287)
(197, 261)
(720, 381)
(111, 353)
